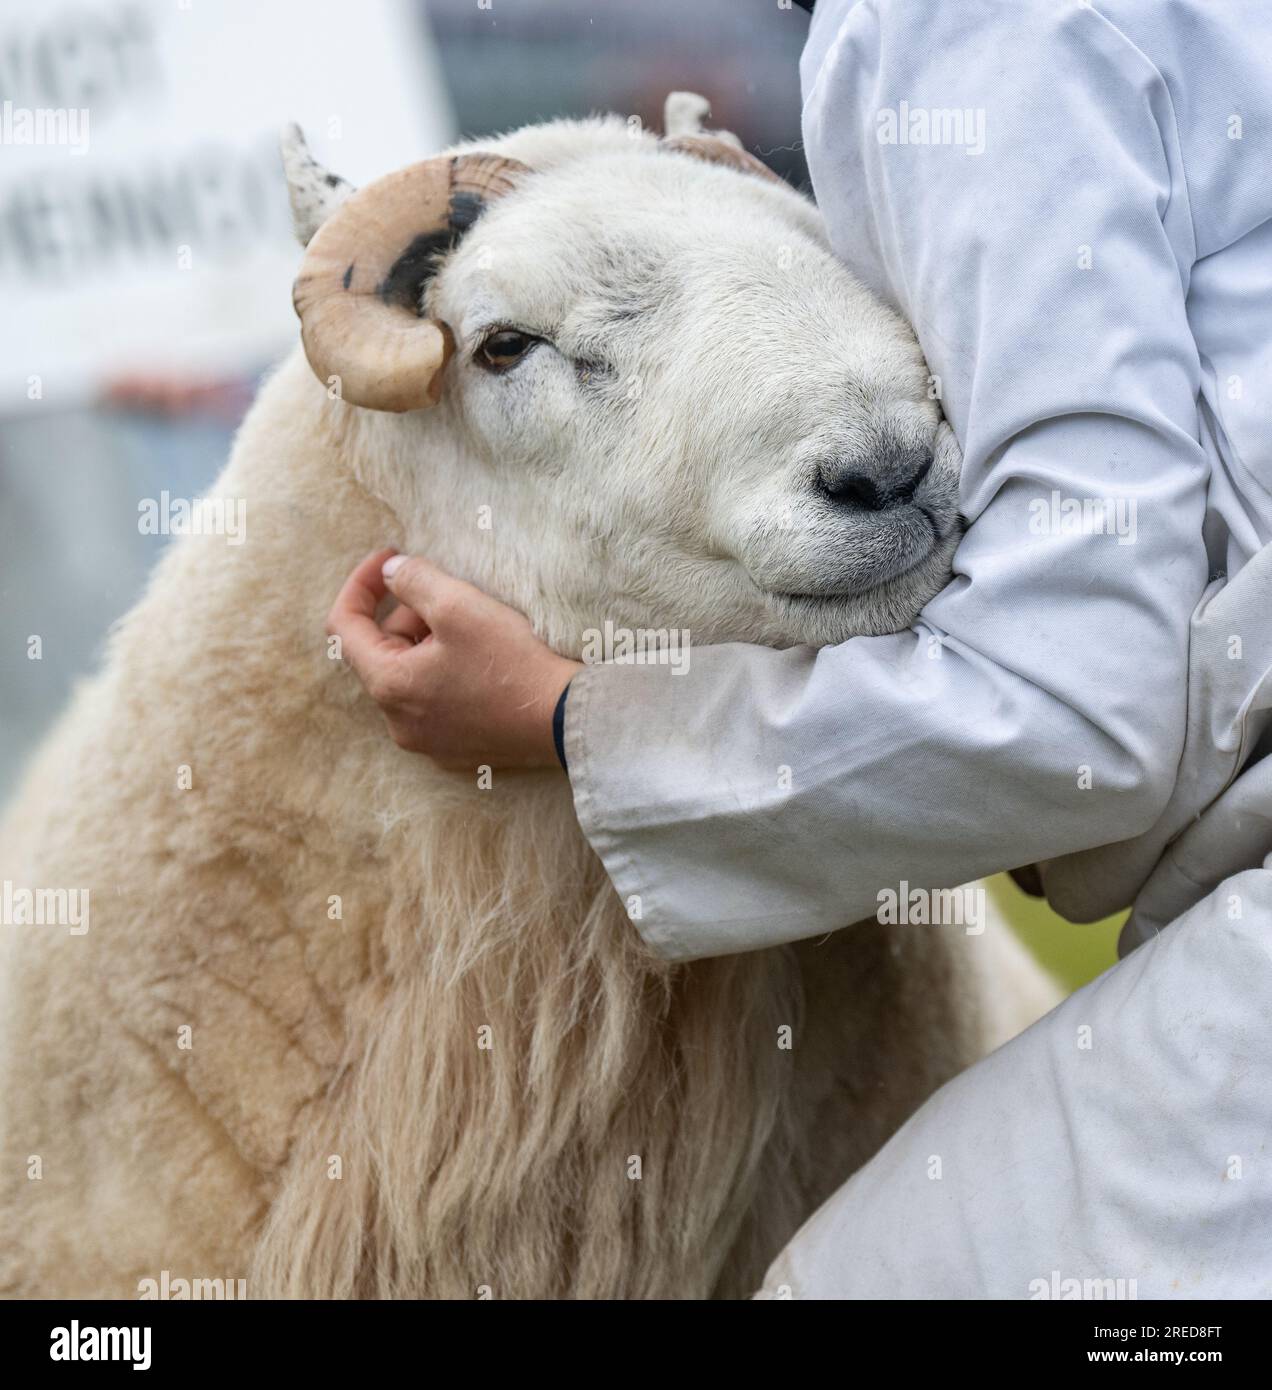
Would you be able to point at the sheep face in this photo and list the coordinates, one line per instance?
(668, 404)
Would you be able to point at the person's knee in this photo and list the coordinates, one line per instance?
(1244, 906)
(1231, 928)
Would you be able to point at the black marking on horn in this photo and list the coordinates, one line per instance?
(417, 265)
(414, 268)
(465, 209)
(348, 275)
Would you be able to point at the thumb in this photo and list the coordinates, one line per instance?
(425, 588)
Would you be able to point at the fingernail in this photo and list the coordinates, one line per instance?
(392, 565)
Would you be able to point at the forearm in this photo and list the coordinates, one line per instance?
(784, 790)
(1040, 707)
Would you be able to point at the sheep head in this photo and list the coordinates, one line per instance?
(358, 293)
(643, 363)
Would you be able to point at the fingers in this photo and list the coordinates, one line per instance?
(363, 643)
(429, 601)
(405, 622)
(436, 596)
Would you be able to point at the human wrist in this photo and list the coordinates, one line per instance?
(558, 727)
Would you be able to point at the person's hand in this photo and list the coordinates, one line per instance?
(458, 675)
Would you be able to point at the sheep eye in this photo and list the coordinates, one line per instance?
(504, 348)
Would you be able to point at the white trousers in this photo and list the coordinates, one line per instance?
(1121, 1147)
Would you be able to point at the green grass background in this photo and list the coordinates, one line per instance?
(1073, 954)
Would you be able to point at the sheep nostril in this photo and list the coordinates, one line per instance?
(855, 490)
(893, 486)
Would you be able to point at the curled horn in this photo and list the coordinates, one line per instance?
(359, 288)
(683, 116)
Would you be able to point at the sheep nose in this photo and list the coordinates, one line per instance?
(892, 483)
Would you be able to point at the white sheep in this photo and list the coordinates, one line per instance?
(348, 1024)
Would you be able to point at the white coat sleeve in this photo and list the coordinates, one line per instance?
(1038, 706)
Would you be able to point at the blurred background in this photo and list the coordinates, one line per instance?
(146, 257)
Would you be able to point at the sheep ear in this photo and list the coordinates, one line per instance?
(685, 133)
(684, 113)
(314, 193)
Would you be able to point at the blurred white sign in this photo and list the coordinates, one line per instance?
(143, 213)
